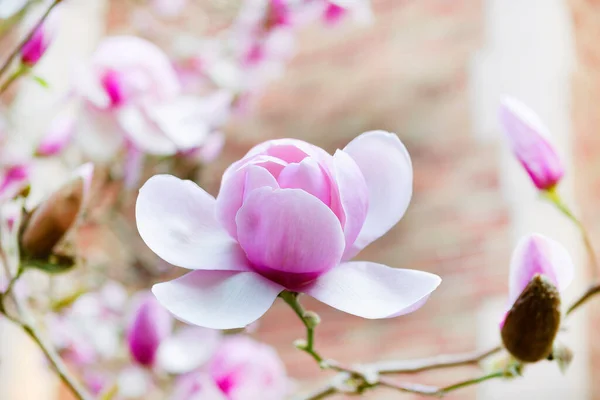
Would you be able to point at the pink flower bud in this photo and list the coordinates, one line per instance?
(150, 325)
(36, 46)
(13, 181)
(526, 136)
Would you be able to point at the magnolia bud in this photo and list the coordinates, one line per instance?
(526, 136)
(36, 46)
(532, 323)
(150, 325)
(52, 219)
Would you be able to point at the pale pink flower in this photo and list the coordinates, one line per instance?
(288, 216)
(245, 369)
(537, 254)
(131, 93)
(527, 137)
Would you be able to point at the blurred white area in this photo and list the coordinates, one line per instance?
(529, 54)
(24, 374)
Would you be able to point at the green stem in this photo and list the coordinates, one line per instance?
(22, 70)
(553, 196)
(291, 298)
(470, 382)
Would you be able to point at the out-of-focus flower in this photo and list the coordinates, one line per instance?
(169, 8)
(245, 369)
(131, 93)
(186, 349)
(196, 385)
(54, 217)
(288, 216)
(13, 180)
(336, 10)
(35, 48)
(90, 331)
(150, 325)
(11, 213)
(539, 270)
(527, 138)
(58, 136)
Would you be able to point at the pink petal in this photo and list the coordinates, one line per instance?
(352, 202)
(387, 169)
(233, 184)
(257, 177)
(538, 254)
(218, 299)
(58, 136)
(176, 219)
(289, 235)
(371, 290)
(308, 176)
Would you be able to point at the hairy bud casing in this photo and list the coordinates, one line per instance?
(533, 321)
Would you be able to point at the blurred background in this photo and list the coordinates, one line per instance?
(432, 71)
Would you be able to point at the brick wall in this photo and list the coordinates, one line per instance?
(586, 120)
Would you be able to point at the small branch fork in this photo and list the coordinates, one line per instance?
(356, 380)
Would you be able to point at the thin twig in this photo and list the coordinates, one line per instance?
(76, 388)
(18, 49)
(593, 290)
(553, 196)
(437, 362)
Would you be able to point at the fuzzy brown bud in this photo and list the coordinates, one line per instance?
(52, 219)
(532, 323)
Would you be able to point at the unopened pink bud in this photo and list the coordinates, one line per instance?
(526, 136)
(36, 46)
(150, 325)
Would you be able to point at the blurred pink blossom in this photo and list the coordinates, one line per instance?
(527, 137)
(288, 216)
(131, 93)
(245, 369)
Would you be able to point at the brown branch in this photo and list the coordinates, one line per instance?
(593, 290)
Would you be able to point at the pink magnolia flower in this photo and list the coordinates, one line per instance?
(131, 93)
(245, 369)
(288, 216)
(537, 254)
(150, 325)
(196, 385)
(527, 138)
